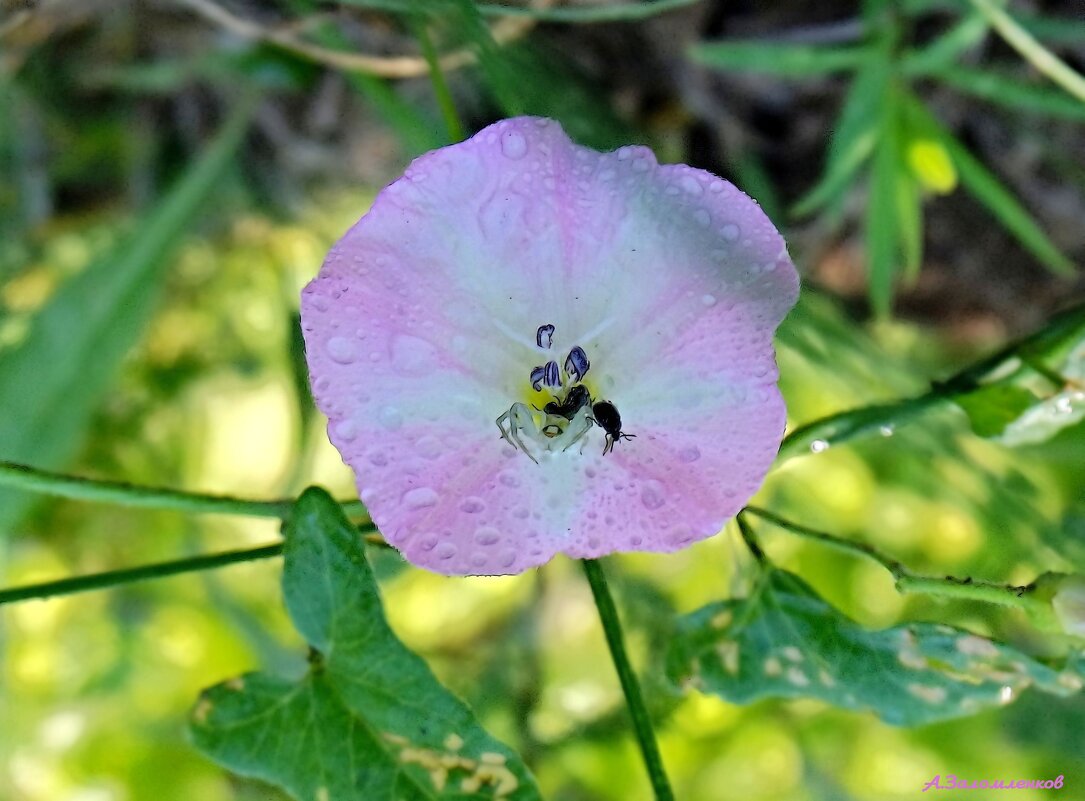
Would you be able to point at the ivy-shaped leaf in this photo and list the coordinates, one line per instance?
(369, 722)
(786, 642)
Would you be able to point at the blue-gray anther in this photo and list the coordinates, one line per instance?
(576, 364)
(544, 336)
(546, 374)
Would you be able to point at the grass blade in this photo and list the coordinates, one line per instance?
(881, 228)
(853, 139)
(779, 58)
(988, 190)
(53, 379)
(945, 50)
(1008, 91)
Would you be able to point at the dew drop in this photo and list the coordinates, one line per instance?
(690, 454)
(446, 550)
(692, 185)
(730, 232)
(472, 505)
(479, 560)
(346, 430)
(487, 535)
(320, 303)
(513, 145)
(427, 542)
(507, 559)
(420, 498)
(703, 218)
(428, 446)
(708, 300)
(413, 356)
(652, 495)
(819, 446)
(390, 417)
(509, 479)
(377, 458)
(341, 350)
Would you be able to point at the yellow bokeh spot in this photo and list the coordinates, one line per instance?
(932, 166)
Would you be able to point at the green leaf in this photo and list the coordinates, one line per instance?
(368, 722)
(854, 136)
(990, 409)
(989, 191)
(786, 642)
(945, 50)
(882, 236)
(1007, 90)
(909, 208)
(52, 380)
(1043, 420)
(779, 58)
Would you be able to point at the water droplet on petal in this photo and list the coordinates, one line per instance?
(730, 232)
(427, 542)
(652, 495)
(390, 417)
(428, 446)
(413, 356)
(509, 479)
(513, 145)
(420, 498)
(346, 430)
(692, 185)
(819, 445)
(708, 300)
(341, 350)
(472, 505)
(487, 535)
(446, 550)
(690, 454)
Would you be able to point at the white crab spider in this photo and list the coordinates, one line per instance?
(560, 434)
(519, 418)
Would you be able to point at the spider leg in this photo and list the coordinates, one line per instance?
(580, 435)
(499, 421)
(517, 413)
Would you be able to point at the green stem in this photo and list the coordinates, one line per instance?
(884, 419)
(113, 578)
(31, 479)
(642, 722)
(907, 582)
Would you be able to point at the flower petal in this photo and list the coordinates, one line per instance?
(423, 327)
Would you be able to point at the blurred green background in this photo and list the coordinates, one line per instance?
(172, 173)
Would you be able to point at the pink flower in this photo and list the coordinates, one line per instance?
(516, 270)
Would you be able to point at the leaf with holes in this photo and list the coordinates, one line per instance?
(368, 721)
(786, 642)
